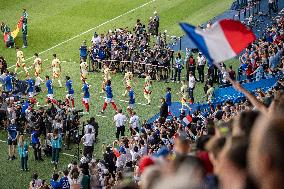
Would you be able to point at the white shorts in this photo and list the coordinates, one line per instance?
(109, 100)
(31, 94)
(169, 108)
(131, 106)
(50, 96)
(70, 96)
(86, 100)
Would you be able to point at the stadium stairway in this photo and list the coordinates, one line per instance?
(260, 22)
(221, 95)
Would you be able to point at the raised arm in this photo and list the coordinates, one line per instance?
(259, 105)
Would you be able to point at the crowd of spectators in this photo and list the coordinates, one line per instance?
(237, 145)
(132, 49)
(230, 146)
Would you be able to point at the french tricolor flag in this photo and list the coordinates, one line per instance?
(187, 120)
(224, 40)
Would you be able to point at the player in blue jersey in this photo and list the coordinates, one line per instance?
(131, 95)
(49, 87)
(54, 182)
(169, 99)
(64, 181)
(86, 95)
(109, 97)
(70, 92)
(31, 86)
(8, 82)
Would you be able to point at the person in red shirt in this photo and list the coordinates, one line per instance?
(232, 73)
(249, 71)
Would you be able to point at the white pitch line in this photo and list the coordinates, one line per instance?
(91, 29)
(68, 154)
(100, 115)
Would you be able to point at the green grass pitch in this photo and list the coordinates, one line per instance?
(52, 22)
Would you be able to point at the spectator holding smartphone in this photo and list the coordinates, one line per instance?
(23, 150)
(56, 143)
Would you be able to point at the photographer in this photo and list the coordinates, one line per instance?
(88, 141)
(35, 141)
(94, 126)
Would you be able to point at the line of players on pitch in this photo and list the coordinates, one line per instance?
(56, 73)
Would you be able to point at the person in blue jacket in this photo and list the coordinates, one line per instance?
(31, 86)
(169, 99)
(83, 51)
(8, 82)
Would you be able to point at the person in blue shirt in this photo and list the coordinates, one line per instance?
(35, 140)
(8, 82)
(109, 97)
(131, 95)
(49, 87)
(83, 51)
(169, 99)
(31, 86)
(178, 67)
(86, 95)
(70, 92)
(12, 139)
(102, 53)
(25, 106)
(23, 151)
(54, 182)
(56, 143)
(64, 181)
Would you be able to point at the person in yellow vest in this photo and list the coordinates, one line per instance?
(37, 65)
(84, 69)
(20, 61)
(128, 77)
(183, 92)
(56, 69)
(148, 91)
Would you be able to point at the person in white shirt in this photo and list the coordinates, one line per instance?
(89, 126)
(96, 39)
(134, 124)
(200, 68)
(191, 86)
(88, 141)
(135, 154)
(119, 120)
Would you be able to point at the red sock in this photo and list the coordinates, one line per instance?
(67, 102)
(104, 106)
(114, 106)
(87, 107)
(54, 102)
(73, 103)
